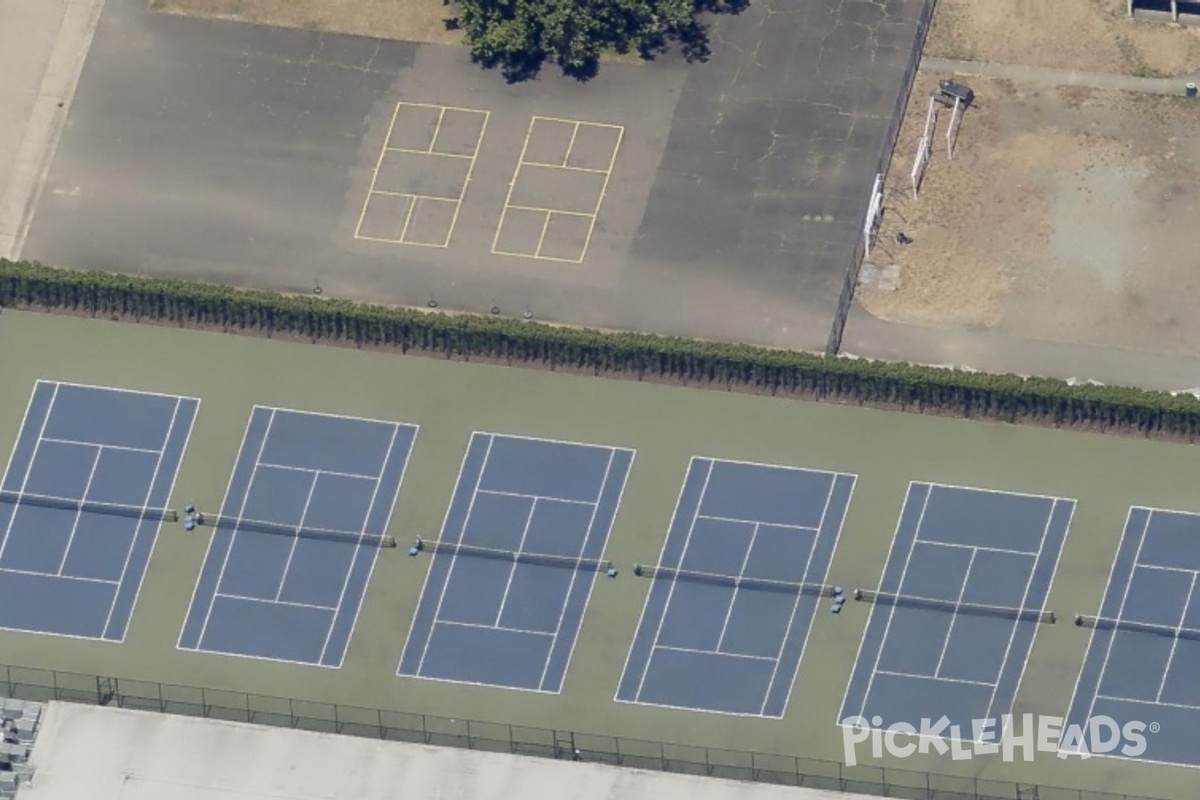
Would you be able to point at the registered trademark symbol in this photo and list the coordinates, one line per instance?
(1155, 727)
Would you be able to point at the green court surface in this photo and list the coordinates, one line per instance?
(666, 426)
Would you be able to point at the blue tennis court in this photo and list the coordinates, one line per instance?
(969, 571)
(1143, 657)
(734, 645)
(288, 564)
(90, 468)
(508, 620)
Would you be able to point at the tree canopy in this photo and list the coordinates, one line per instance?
(520, 36)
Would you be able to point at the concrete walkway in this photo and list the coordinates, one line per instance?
(43, 44)
(1057, 77)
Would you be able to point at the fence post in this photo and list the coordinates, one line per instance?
(424, 730)
(382, 729)
(162, 703)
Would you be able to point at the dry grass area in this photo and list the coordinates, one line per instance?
(406, 20)
(1085, 35)
(1065, 214)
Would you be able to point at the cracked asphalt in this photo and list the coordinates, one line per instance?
(227, 151)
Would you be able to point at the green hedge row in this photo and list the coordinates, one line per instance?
(970, 394)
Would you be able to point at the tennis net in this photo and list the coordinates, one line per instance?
(977, 609)
(519, 557)
(1167, 631)
(88, 506)
(734, 581)
(296, 531)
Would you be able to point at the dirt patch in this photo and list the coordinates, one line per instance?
(405, 20)
(1085, 35)
(1065, 215)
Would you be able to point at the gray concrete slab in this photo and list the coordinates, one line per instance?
(110, 753)
(42, 48)
(247, 154)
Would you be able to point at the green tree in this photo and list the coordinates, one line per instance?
(520, 36)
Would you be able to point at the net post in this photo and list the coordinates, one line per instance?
(952, 130)
(874, 213)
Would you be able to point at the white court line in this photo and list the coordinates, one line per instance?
(719, 518)
(512, 568)
(1175, 642)
(20, 429)
(933, 678)
(170, 493)
(331, 472)
(962, 591)
(789, 467)
(142, 521)
(114, 389)
(1184, 570)
(1120, 613)
(587, 536)
(248, 599)
(375, 555)
(737, 585)
(762, 709)
(1006, 551)
(233, 533)
(300, 412)
(565, 168)
(56, 440)
(570, 146)
(646, 603)
(1146, 702)
(375, 173)
(78, 513)
(212, 539)
(536, 497)
(312, 488)
(16, 571)
(462, 465)
(828, 565)
(1012, 635)
(501, 628)
(588, 445)
(612, 163)
(1005, 492)
(674, 582)
(437, 611)
(912, 547)
(1129, 699)
(718, 652)
(28, 467)
(1092, 636)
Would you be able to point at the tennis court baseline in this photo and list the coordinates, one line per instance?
(738, 583)
(1144, 653)
(510, 618)
(966, 579)
(81, 503)
(290, 558)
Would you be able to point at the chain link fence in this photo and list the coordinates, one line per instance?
(834, 344)
(45, 685)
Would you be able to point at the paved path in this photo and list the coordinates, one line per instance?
(989, 351)
(43, 44)
(1057, 77)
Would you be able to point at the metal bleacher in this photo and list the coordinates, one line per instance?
(18, 729)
